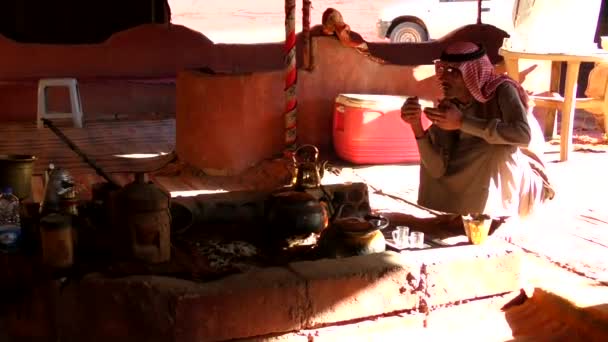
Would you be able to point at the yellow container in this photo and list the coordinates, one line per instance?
(477, 228)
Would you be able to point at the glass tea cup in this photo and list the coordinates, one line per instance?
(417, 240)
(405, 233)
(400, 236)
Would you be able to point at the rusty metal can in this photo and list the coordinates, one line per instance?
(146, 219)
(57, 241)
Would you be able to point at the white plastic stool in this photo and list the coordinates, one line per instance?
(76, 107)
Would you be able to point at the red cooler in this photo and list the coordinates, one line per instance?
(368, 129)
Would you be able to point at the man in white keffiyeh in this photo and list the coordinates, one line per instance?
(475, 156)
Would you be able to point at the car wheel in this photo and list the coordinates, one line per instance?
(408, 32)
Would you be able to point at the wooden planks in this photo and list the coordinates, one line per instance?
(101, 141)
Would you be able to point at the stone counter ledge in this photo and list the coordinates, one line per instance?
(303, 295)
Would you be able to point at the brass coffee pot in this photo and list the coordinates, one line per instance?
(308, 171)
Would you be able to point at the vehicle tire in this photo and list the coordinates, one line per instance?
(408, 32)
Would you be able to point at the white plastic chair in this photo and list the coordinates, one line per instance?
(76, 106)
(597, 95)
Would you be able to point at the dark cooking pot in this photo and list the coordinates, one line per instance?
(295, 213)
(16, 172)
(353, 236)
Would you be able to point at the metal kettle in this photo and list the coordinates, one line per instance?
(295, 214)
(59, 189)
(307, 170)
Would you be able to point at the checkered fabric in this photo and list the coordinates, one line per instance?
(479, 74)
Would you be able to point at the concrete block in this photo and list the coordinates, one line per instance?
(358, 287)
(386, 328)
(137, 308)
(467, 272)
(481, 320)
(255, 303)
(394, 328)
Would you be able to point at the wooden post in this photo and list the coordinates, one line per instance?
(479, 11)
(291, 75)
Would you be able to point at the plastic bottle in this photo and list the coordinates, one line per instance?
(10, 222)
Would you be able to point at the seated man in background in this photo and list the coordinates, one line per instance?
(477, 155)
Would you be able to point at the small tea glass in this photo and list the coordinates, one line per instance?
(400, 236)
(417, 240)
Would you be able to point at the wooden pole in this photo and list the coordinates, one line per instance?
(479, 11)
(306, 34)
(291, 75)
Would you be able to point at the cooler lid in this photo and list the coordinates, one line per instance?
(372, 101)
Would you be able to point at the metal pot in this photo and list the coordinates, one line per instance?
(353, 236)
(16, 172)
(295, 213)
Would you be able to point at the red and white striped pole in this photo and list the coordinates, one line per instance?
(306, 62)
(291, 76)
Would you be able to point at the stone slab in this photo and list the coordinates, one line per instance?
(136, 308)
(305, 295)
(345, 289)
(480, 320)
(468, 272)
(256, 303)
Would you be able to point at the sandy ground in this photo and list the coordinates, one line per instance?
(240, 21)
(251, 21)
